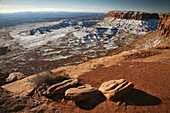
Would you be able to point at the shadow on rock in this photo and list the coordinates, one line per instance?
(3, 77)
(140, 98)
(4, 50)
(92, 102)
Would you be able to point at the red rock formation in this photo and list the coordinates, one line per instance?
(133, 15)
(164, 25)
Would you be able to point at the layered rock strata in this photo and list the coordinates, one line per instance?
(133, 15)
(164, 25)
(115, 89)
(81, 93)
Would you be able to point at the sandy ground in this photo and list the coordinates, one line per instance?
(151, 76)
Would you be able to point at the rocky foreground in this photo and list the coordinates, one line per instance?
(98, 85)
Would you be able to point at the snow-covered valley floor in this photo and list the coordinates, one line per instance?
(67, 42)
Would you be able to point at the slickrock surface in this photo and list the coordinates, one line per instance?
(21, 87)
(149, 74)
(10, 102)
(115, 89)
(76, 71)
(133, 15)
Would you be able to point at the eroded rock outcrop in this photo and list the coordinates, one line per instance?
(133, 15)
(164, 25)
(22, 87)
(60, 87)
(15, 76)
(9, 102)
(8, 78)
(81, 93)
(115, 89)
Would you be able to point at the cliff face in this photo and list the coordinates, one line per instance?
(133, 15)
(160, 37)
(164, 25)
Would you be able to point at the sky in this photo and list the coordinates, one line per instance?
(11, 6)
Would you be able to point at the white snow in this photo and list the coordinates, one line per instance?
(55, 52)
(73, 40)
(56, 58)
(80, 33)
(140, 27)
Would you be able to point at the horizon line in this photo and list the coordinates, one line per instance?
(75, 11)
(51, 12)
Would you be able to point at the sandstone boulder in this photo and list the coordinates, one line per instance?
(14, 76)
(115, 89)
(81, 93)
(60, 87)
(23, 87)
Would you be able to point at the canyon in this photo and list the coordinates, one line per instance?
(124, 46)
(69, 41)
